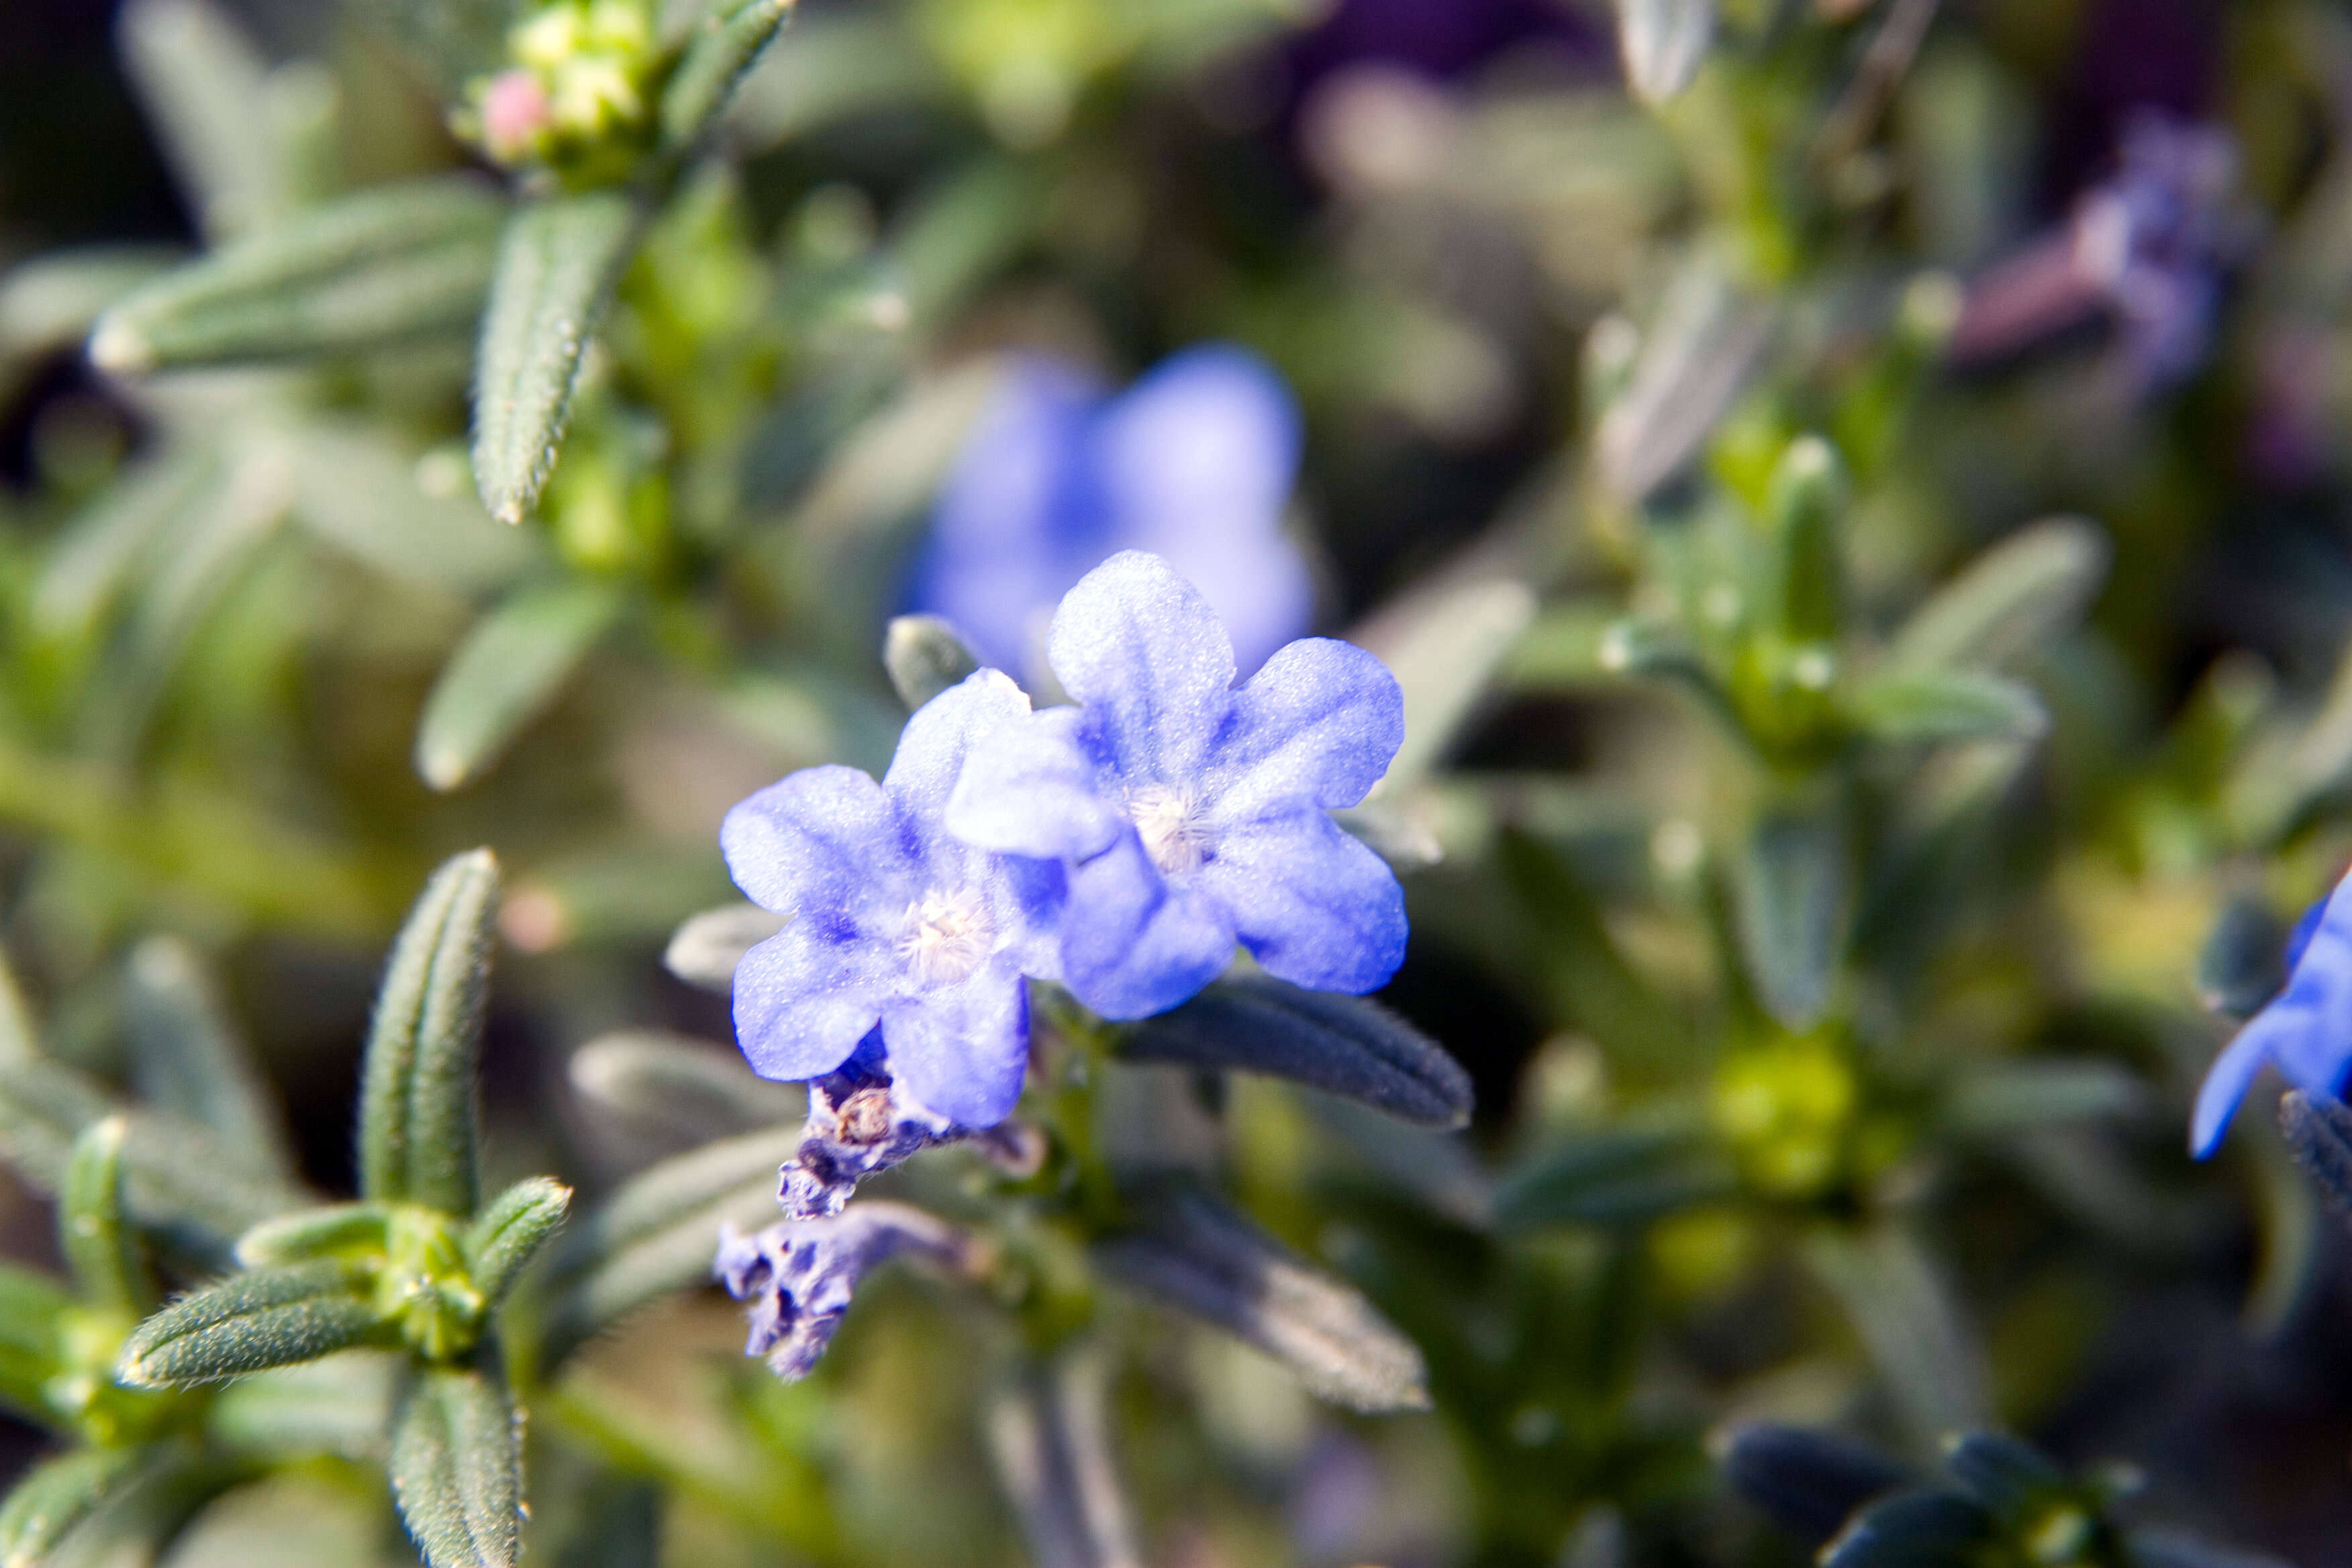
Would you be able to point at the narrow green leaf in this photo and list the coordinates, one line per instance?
(1444, 650)
(187, 1059)
(56, 1496)
(456, 1470)
(375, 268)
(1049, 1432)
(32, 1306)
(268, 1317)
(2009, 603)
(1934, 704)
(44, 1106)
(1792, 896)
(2243, 962)
(1907, 1324)
(202, 81)
(1917, 1528)
(339, 1405)
(94, 557)
(1625, 1175)
(2004, 1099)
(961, 231)
(509, 669)
(924, 657)
(52, 301)
(1663, 43)
(352, 1231)
(705, 950)
(1706, 339)
(451, 41)
(1340, 1044)
(726, 45)
(558, 265)
(657, 1235)
(98, 1244)
(511, 1230)
(362, 495)
(1802, 513)
(1194, 1253)
(677, 1093)
(416, 1106)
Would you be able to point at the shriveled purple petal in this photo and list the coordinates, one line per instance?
(807, 841)
(1320, 722)
(932, 747)
(805, 997)
(1134, 943)
(798, 1276)
(859, 1122)
(1032, 788)
(1312, 904)
(1140, 647)
(961, 1051)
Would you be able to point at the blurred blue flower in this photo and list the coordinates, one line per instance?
(799, 1275)
(892, 921)
(1187, 812)
(2147, 248)
(1194, 462)
(2306, 1031)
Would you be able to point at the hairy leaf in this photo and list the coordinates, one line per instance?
(456, 1470)
(924, 657)
(508, 670)
(2009, 603)
(375, 268)
(1623, 1175)
(416, 1109)
(186, 1058)
(1663, 43)
(705, 949)
(54, 1497)
(677, 1093)
(268, 1317)
(724, 47)
(330, 1230)
(1192, 1252)
(1929, 704)
(558, 265)
(97, 1242)
(511, 1230)
(1341, 1045)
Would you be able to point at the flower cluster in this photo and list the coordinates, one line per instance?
(2306, 1031)
(580, 74)
(1121, 846)
(1194, 463)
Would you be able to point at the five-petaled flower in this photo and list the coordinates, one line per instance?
(893, 922)
(2306, 1031)
(1188, 812)
(1194, 462)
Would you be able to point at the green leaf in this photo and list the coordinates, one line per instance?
(96, 554)
(657, 1235)
(1907, 1324)
(359, 493)
(202, 83)
(456, 1470)
(1444, 649)
(924, 657)
(98, 1245)
(1698, 351)
(1627, 1176)
(1340, 1044)
(558, 265)
(354, 1231)
(416, 1107)
(725, 46)
(1802, 513)
(508, 670)
(2011, 602)
(1931, 704)
(451, 41)
(378, 268)
(511, 1230)
(678, 1093)
(339, 1405)
(1194, 1252)
(1790, 895)
(187, 1059)
(1915, 1528)
(56, 1496)
(2004, 1099)
(33, 1307)
(1049, 1432)
(705, 950)
(44, 1106)
(2243, 962)
(963, 228)
(52, 301)
(268, 1317)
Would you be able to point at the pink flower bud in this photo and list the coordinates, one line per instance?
(515, 115)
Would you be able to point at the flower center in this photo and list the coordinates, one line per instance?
(947, 934)
(1162, 816)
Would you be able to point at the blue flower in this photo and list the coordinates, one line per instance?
(1194, 462)
(799, 1275)
(1189, 812)
(892, 922)
(2306, 1031)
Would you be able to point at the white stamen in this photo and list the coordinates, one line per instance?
(1162, 816)
(947, 937)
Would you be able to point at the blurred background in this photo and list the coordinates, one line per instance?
(1477, 330)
